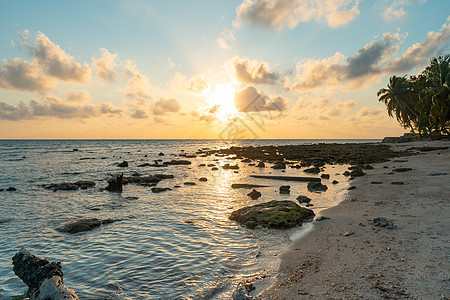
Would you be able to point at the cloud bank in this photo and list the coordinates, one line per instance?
(250, 100)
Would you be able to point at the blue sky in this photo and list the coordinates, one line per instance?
(189, 69)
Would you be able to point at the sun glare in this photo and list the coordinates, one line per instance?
(221, 101)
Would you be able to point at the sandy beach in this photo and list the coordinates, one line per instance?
(349, 257)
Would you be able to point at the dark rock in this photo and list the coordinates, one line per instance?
(189, 183)
(279, 166)
(161, 154)
(164, 176)
(309, 205)
(316, 187)
(229, 167)
(43, 278)
(357, 173)
(376, 182)
(254, 194)
(214, 168)
(159, 190)
(84, 184)
(402, 170)
(285, 189)
(74, 150)
(11, 189)
(203, 179)
(123, 164)
(322, 218)
(397, 182)
(382, 222)
(437, 174)
(246, 160)
(313, 170)
(368, 167)
(202, 165)
(286, 178)
(346, 173)
(273, 214)
(84, 225)
(245, 186)
(115, 184)
(62, 186)
(177, 162)
(335, 182)
(261, 165)
(177, 186)
(303, 199)
(351, 188)
(325, 176)
(211, 165)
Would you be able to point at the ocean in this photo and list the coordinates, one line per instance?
(178, 244)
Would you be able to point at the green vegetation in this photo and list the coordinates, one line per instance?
(422, 102)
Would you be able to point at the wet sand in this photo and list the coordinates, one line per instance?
(348, 257)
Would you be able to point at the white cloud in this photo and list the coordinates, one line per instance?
(395, 11)
(104, 66)
(252, 71)
(281, 13)
(226, 38)
(78, 96)
(163, 106)
(250, 100)
(197, 84)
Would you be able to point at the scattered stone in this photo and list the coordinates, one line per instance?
(84, 225)
(84, 184)
(115, 184)
(335, 182)
(203, 179)
(316, 187)
(161, 154)
(376, 182)
(348, 233)
(43, 278)
(66, 186)
(303, 199)
(211, 165)
(261, 165)
(351, 188)
(346, 173)
(229, 167)
(285, 189)
(368, 167)
(177, 162)
(245, 186)
(402, 170)
(202, 165)
(273, 214)
(123, 164)
(74, 150)
(322, 218)
(357, 173)
(438, 174)
(177, 186)
(159, 190)
(254, 194)
(309, 205)
(11, 189)
(279, 166)
(378, 203)
(397, 182)
(287, 178)
(382, 222)
(189, 183)
(214, 168)
(313, 170)
(246, 160)
(325, 176)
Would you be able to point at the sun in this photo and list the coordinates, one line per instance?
(221, 101)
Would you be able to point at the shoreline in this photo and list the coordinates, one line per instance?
(349, 257)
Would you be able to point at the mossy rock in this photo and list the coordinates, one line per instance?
(273, 214)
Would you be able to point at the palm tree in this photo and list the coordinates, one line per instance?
(399, 101)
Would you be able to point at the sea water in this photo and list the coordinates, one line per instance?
(177, 244)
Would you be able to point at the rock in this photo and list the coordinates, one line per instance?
(357, 173)
(351, 188)
(348, 233)
(62, 186)
(246, 160)
(84, 184)
(279, 166)
(368, 167)
(346, 173)
(84, 225)
(313, 170)
(123, 164)
(245, 186)
(316, 187)
(261, 165)
(214, 168)
(335, 182)
(382, 222)
(159, 190)
(177, 162)
(309, 205)
(402, 170)
(11, 189)
(43, 278)
(229, 167)
(285, 189)
(203, 179)
(254, 194)
(397, 182)
(325, 176)
(161, 154)
(115, 184)
(286, 178)
(376, 182)
(437, 174)
(189, 183)
(74, 150)
(202, 165)
(211, 165)
(273, 214)
(321, 218)
(303, 199)
(164, 176)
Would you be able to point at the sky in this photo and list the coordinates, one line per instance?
(214, 69)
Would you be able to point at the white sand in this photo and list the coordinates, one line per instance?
(409, 262)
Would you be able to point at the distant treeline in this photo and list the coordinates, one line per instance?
(421, 102)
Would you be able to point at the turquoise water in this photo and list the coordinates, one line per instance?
(177, 244)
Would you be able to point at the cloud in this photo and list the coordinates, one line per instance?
(366, 62)
(226, 38)
(164, 106)
(138, 88)
(395, 11)
(197, 84)
(281, 13)
(53, 107)
(252, 71)
(207, 118)
(139, 113)
(250, 100)
(48, 65)
(365, 115)
(78, 96)
(104, 66)
(436, 43)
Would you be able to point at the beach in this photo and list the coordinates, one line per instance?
(405, 257)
